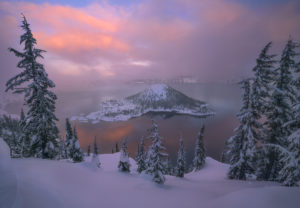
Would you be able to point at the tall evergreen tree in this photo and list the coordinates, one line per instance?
(199, 157)
(141, 156)
(75, 151)
(124, 164)
(280, 112)
(62, 149)
(290, 172)
(89, 150)
(180, 169)
(117, 147)
(24, 142)
(242, 146)
(155, 160)
(69, 138)
(260, 98)
(95, 147)
(40, 120)
(95, 159)
(262, 81)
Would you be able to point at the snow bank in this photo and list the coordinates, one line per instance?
(45, 183)
(8, 180)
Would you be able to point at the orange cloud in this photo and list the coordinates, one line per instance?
(80, 41)
(63, 28)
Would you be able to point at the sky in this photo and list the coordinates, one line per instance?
(95, 43)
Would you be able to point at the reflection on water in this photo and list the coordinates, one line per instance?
(224, 99)
(170, 129)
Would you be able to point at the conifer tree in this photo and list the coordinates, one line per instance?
(170, 169)
(95, 159)
(180, 169)
(69, 138)
(141, 156)
(95, 147)
(280, 112)
(124, 164)
(199, 157)
(260, 98)
(75, 151)
(24, 142)
(262, 80)
(117, 147)
(89, 150)
(62, 149)
(290, 172)
(33, 81)
(242, 146)
(156, 158)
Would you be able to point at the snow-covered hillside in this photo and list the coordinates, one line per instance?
(157, 98)
(37, 183)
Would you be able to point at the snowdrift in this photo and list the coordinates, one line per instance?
(37, 183)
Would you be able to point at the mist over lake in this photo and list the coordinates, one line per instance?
(224, 99)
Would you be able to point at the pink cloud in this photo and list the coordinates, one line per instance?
(209, 39)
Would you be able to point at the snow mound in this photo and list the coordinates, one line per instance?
(109, 162)
(212, 170)
(48, 184)
(8, 180)
(157, 98)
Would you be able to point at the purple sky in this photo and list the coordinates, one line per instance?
(106, 42)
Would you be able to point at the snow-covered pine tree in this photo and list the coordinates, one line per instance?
(69, 138)
(262, 80)
(24, 141)
(75, 151)
(95, 147)
(117, 147)
(141, 156)
(95, 159)
(200, 155)
(290, 172)
(260, 97)
(170, 169)
(280, 112)
(180, 168)
(89, 150)
(242, 146)
(40, 119)
(124, 164)
(155, 161)
(61, 149)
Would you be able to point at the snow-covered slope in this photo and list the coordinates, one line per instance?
(157, 98)
(39, 183)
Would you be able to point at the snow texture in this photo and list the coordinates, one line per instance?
(39, 183)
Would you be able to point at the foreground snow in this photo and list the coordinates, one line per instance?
(43, 183)
(158, 98)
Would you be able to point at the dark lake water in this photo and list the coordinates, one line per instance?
(223, 98)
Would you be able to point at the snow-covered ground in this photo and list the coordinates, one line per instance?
(37, 183)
